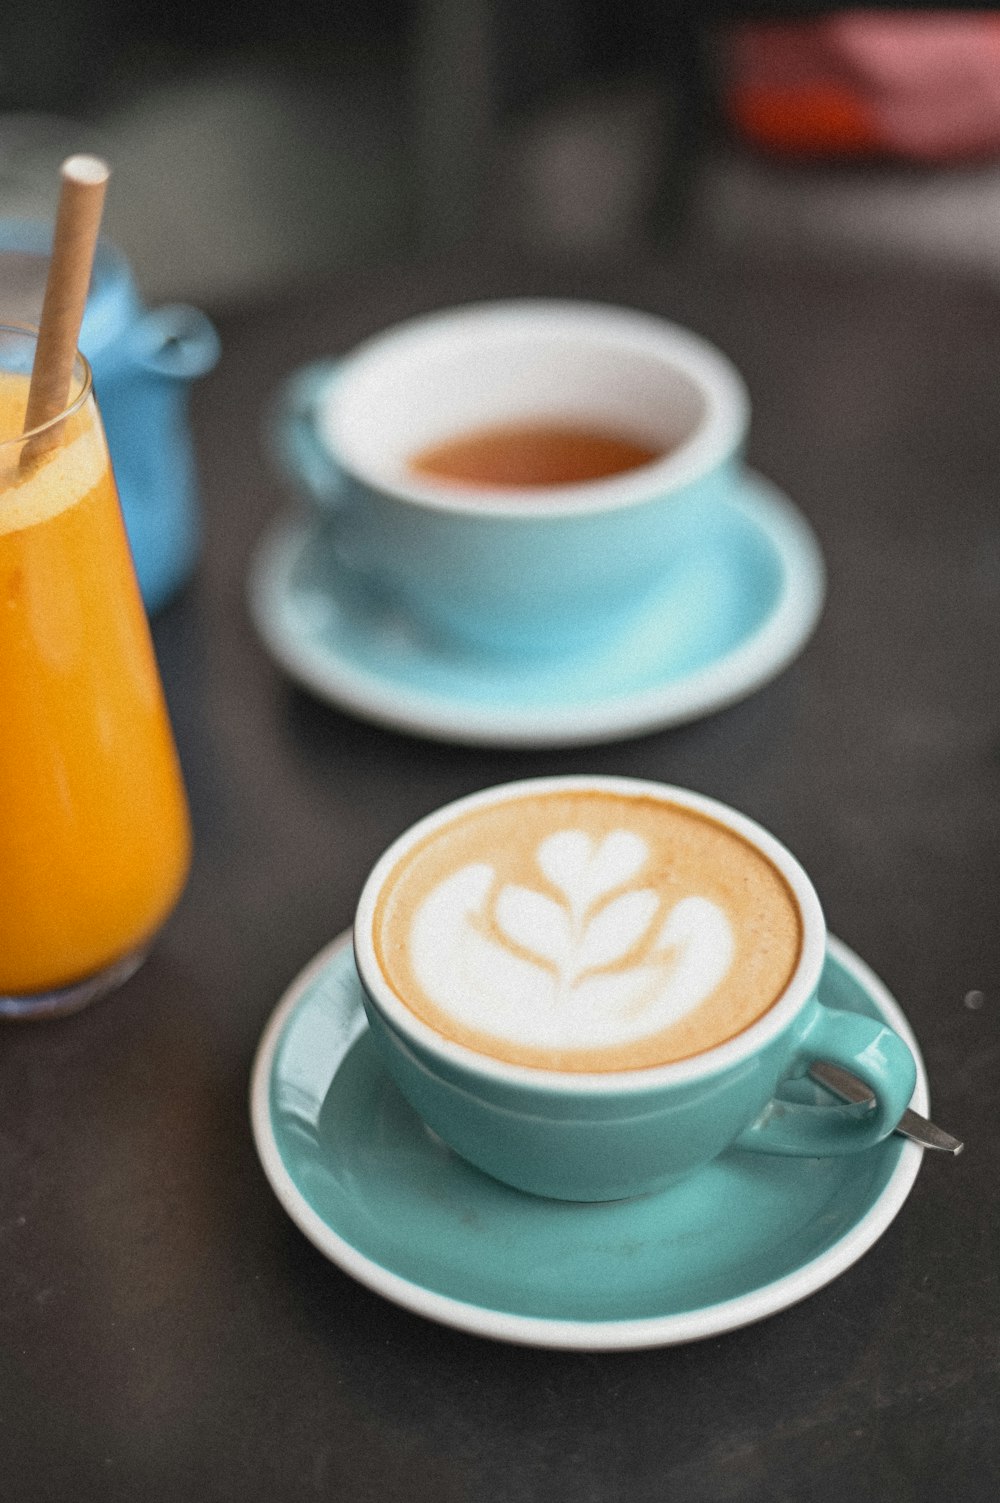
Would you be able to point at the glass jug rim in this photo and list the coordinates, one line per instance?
(30, 331)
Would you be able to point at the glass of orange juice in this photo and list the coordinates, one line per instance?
(95, 839)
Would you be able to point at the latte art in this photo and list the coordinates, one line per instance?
(584, 930)
(591, 968)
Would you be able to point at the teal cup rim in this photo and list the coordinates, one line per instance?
(751, 1041)
(715, 439)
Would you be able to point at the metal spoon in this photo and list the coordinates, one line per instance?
(910, 1124)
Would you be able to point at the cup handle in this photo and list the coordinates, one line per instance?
(867, 1049)
(298, 453)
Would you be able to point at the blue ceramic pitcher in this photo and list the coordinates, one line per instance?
(143, 363)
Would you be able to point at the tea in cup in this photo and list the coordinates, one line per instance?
(517, 477)
(590, 987)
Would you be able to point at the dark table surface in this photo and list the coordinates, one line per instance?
(165, 1331)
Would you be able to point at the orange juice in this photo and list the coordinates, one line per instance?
(94, 832)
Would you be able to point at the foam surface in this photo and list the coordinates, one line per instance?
(33, 494)
(587, 931)
(559, 978)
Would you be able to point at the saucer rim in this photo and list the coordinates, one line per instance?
(582, 1335)
(737, 673)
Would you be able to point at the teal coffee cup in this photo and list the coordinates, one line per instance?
(591, 987)
(524, 570)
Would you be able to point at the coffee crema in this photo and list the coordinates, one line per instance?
(531, 455)
(586, 930)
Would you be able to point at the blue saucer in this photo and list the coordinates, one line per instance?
(385, 1200)
(741, 603)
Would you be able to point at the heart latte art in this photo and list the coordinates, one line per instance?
(568, 971)
(587, 931)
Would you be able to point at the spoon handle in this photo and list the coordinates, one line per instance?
(910, 1125)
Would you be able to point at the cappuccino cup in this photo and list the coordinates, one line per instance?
(525, 570)
(589, 987)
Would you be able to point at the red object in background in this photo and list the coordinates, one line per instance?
(919, 86)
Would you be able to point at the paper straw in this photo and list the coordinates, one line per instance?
(78, 221)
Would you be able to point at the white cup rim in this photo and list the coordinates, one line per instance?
(718, 437)
(750, 1041)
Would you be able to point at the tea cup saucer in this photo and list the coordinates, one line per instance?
(387, 1202)
(740, 604)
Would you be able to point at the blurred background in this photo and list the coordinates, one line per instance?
(257, 146)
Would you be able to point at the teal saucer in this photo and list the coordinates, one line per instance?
(741, 602)
(385, 1200)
